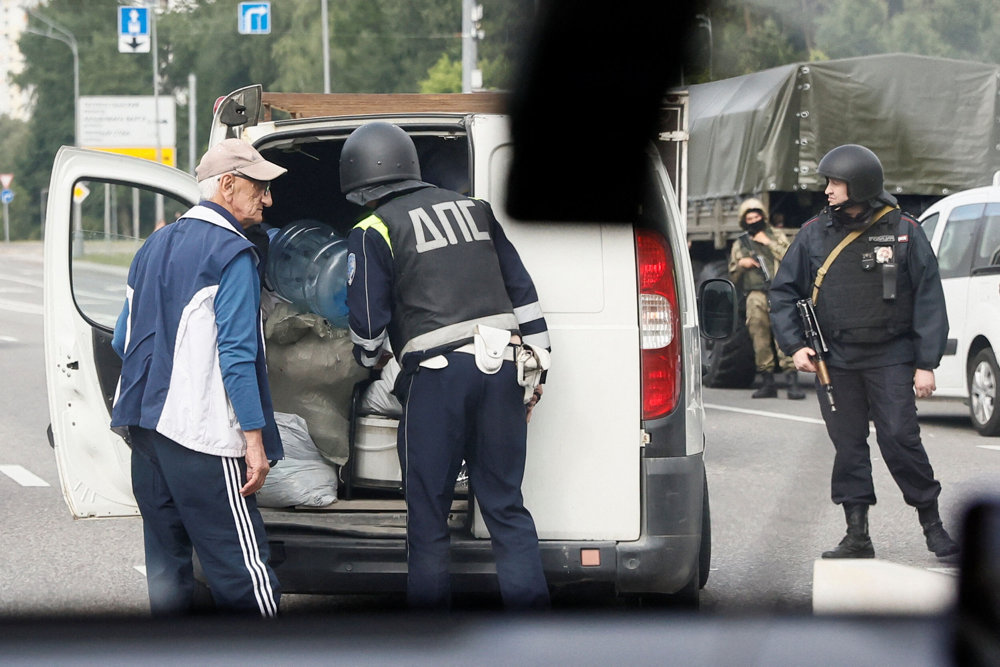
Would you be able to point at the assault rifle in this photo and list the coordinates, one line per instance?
(814, 338)
(744, 238)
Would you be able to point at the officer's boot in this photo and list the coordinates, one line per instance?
(767, 387)
(795, 392)
(938, 539)
(856, 544)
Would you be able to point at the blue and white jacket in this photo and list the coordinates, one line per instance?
(191, 338)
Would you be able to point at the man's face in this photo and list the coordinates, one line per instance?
(248, 198)
(752, 218)
(836, 191)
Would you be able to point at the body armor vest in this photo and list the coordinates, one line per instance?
(448, 277)
(852, 306)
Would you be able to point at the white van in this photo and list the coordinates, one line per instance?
(615, 475)
(964, 230)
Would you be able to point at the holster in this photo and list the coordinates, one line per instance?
(531, 363)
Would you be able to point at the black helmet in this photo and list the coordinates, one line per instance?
(858, 167)
(375, 154)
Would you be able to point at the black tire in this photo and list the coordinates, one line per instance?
(705, 552)
(983, 377)
(727, 363)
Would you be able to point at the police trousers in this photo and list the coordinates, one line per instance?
(460, 412)
(885, 396)
(191, 500)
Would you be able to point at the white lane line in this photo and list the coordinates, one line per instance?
(764, 413)
(8, 339)
(141, 569)
(995, 448)
(20, 307)
(22, 476)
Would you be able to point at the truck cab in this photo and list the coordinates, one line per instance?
(615, 475)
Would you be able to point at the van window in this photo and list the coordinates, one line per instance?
(988, 248)
(955, 252)
(930, 225)
(110, 222)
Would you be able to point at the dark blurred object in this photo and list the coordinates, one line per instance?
(978, 618)
(586, 103)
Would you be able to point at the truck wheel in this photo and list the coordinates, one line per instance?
(727, 363)
(983, 377)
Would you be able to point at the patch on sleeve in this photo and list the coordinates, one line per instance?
(352, 265)
(903, 238)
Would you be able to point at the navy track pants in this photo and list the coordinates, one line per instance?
(460, 412)
(191, 499)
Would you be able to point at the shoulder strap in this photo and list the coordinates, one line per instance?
(846, 241)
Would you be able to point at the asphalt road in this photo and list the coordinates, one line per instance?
(768, 467)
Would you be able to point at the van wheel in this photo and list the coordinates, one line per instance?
(983, 377)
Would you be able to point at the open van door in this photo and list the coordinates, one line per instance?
(100, 208)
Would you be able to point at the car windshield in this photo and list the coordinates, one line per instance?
(620, 153)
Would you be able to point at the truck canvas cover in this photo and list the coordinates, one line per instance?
(933, 122)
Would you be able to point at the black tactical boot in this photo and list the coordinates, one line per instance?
(767, 388)
(938, 539)
(856, 544)
(795, 392)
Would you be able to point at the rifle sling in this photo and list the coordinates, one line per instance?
(846, 241)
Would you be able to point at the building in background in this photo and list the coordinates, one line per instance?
(13, 19)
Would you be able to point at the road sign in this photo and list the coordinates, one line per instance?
(129, 124)
(6, 180)
(133, 29)
(254, 18)
(6, 196)
(80, 192)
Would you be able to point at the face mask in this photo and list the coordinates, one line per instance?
(755, 228)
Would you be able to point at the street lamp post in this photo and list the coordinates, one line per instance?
(66, 37)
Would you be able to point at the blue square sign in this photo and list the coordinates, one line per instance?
(133, 29)
(255, 18)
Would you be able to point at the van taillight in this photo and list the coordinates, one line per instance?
(659, 325)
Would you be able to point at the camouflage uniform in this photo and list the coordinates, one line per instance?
(751, 282)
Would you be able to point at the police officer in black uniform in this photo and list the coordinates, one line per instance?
(431, 272)
(881, 308)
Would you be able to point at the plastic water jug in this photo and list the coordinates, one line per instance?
(307, 264)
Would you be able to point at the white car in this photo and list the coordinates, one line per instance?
(964, 230)
(615, 474)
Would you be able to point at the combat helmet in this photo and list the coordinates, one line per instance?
(747, 205)
(860, 168)
(378, 159)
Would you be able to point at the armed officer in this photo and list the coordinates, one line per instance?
(761, 243)
(432, 272)
(873, 278)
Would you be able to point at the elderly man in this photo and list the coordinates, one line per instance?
(194, 394)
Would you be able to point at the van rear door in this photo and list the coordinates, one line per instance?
(100, 207)
(583, 470)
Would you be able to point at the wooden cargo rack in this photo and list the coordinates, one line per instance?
(318, 105)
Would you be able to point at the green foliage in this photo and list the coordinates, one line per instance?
(444, 77)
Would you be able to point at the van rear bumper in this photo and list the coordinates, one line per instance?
(310, 559)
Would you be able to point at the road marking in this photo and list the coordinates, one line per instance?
(995, 448)
(764, 413)
(8, 339)
(19, 307)
(22, 476)
(141, 569)
(872, 586)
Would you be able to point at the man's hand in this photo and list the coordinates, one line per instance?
(533, 401)
(748, 263)
(803, 359)
(762, 238)
(923, 383)
(257, 463)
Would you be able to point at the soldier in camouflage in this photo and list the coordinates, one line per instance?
(762, 243)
